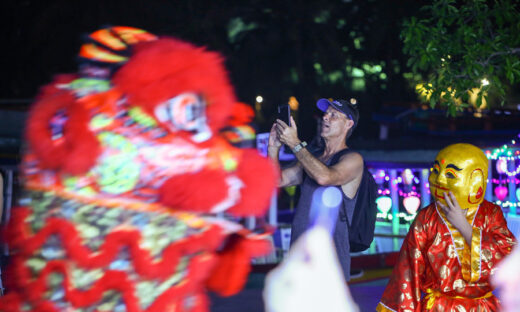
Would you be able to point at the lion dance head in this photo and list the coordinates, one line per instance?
(131, 191)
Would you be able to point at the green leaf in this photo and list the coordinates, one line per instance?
(433, 101)
(478, 103)
(452, 110)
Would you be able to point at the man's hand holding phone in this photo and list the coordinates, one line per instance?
(284, 114)
(288, 135)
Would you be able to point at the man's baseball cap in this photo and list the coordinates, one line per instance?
(342, 105)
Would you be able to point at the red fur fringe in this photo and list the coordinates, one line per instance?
(34, 290)
(234, 264)
(51, 154)
(194, 192)
(167, 67)
(76, 152)
(20, 238)
(242, 114)
(259, 176)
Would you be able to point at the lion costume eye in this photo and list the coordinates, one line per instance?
(186, 112)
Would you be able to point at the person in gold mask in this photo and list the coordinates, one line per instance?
(454, 244)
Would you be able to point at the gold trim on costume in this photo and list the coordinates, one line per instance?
(469, 257)
(381, 307)
(433, 294)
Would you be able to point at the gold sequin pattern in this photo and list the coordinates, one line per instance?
(444, 272)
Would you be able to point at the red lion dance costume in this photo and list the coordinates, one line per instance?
(125, 172)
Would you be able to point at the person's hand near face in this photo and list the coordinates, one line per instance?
(456, 216)
(454, 213)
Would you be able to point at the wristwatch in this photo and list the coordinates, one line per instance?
(298, 147)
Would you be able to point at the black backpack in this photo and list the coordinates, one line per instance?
(362, 226)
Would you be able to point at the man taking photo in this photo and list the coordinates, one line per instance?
(330, 166)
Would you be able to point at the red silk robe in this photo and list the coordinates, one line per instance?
(438, 271)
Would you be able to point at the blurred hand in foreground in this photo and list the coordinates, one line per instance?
(507, 280)
(309, 278)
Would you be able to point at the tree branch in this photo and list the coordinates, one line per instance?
(495, 54)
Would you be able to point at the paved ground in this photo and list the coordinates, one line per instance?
(366, 295)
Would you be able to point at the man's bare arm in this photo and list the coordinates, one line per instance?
(348, 168)
(290, 176)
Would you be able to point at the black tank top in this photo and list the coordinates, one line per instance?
(301, 216)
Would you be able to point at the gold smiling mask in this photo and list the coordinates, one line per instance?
(462, 169)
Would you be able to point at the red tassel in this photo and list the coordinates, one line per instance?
(259, 177)
(234, 265)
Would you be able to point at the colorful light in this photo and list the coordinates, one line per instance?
(407, 176)
(384, 204)
(518, 194)
(501, 192)
(501, 165)
(380, 176)
(411, 204)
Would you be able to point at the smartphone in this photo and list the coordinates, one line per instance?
(284, 113)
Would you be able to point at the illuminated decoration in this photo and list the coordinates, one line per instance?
(408, 194)
(426, 90)
(405, 216)
(411, 204)
(501, 192)
(501, 165)
(403, 185)
(384, 204)
(512, 173)
(473, 95)
(505, 151)
(380, 176)
(407, 176)
(293, 103)
(507, 163)
(258, 106)
(504, 181)
(507, 204)
(383, 192)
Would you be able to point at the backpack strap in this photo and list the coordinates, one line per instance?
(335, 159)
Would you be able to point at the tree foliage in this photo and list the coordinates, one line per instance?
(277, 49)
(463, 48)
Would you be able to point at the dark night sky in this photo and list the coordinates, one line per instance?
(275, 48)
